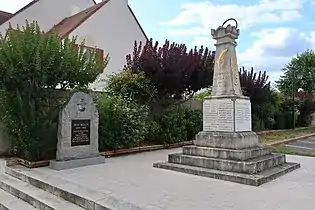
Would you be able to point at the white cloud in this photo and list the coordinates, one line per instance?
(275, 48)
(199, 18)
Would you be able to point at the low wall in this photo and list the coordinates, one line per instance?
(3, 141)
(194, 104)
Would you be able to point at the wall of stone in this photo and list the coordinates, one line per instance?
(194, 104)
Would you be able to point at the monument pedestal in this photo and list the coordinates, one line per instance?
(227, 149)
(227, 140)
(236, 157)
(231, 157)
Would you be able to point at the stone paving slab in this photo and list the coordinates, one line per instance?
(133, 179)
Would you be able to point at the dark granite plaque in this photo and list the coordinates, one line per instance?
(80, 132)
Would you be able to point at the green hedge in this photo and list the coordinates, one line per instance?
(123, 123)
(175, 125)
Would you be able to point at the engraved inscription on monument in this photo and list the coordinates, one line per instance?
(218, 115)
(243, 120)
(80, 132)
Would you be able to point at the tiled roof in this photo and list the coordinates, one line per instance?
(69, 24)
(4, 16)
(20, 10)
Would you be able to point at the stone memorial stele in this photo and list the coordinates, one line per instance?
(227, 148)
(77, 134)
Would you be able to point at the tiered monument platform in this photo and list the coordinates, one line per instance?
(227, 149)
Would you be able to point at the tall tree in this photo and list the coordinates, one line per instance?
(300, 72)
(177, 73)
(32, 65)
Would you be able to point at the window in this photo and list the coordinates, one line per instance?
(99, 52)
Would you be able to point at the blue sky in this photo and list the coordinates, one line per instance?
(272, 31)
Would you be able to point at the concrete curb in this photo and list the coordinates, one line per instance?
(290, 140)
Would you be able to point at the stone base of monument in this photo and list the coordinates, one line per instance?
(235, 157)
(76, 163)
(228, 140)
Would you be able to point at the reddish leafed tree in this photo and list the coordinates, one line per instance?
(176, 72)
(257, 88)
(255, 85)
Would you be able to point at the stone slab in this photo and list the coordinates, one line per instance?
(252, 166)
(34, 196)
(218, 115)
(228, 114)
(227, 140)
(243, 115)
(10, 202)
(230, 154)
(75, 163)
(254, 180)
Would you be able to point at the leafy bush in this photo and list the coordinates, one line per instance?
(193, 122)
(177, 124)
(202, 94)
(129, 84)
(306, 108)
(32, 65)
(173, 126)
(122, 122)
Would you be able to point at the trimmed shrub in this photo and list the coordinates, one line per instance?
(193, 122)
(122, 122)
(177, 124)
(131, 85)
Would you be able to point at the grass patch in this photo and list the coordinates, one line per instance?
(285, 150)
(282, 135)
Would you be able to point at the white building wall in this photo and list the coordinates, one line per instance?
(113, 29)
(47, 12)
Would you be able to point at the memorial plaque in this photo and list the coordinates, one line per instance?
(78, 126)
(243, 120)
(218, 115)
(80, 132)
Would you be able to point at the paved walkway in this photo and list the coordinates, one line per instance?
(135, 180)
(303, 145)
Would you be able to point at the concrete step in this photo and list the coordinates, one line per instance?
(244, 154)
(251, 166)
(38, 198)
(10, 202)
(86, 198)
(254, 179)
